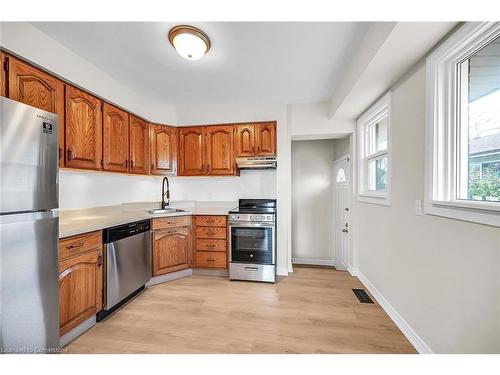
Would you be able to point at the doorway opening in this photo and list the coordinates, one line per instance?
(321, 171)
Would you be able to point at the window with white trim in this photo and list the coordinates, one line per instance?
(463, 125)
(374, 153)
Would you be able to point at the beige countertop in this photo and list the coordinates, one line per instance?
(73, 222)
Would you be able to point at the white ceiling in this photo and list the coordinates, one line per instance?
(290, 62)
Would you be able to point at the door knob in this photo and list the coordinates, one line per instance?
(345, 230)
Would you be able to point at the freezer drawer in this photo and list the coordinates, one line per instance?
(29, 282)
(28, 158)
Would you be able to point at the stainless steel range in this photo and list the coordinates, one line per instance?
(252, 240)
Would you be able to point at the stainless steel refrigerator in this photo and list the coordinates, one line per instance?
(28, 229)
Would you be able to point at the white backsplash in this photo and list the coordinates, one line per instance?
(92, 189)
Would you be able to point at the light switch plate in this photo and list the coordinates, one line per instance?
(418, 207)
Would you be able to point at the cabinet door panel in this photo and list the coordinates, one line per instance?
(115, 139)
(219, 150)
(80, 289)
(245, 140)
(139, 146)
(3, 77)
(34, 87)
(83, 130)
(170, 250)
(265, 139)
(191, 155)
(163, 141)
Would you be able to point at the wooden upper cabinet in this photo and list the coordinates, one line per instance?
(34, 87)
(83, 130)
(115, 128)
(265, 139)
(3, 77)
(139, 146)
(219, 151)
(163, 140)
(255, 139)
(244, 140)
(191, 152)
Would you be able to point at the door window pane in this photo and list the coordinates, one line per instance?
(482, 118)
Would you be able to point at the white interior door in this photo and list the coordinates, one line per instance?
(341, 232)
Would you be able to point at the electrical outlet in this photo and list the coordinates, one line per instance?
(418, 207)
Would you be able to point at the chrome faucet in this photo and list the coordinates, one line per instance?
(163, 192)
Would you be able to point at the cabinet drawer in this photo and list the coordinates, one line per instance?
(171, 222)
(210, 259)
(182, 231)
(208, 232)
(211, 221)
(210, 245)
(70, 246)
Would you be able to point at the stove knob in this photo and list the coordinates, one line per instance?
(252, 218)
(268, 217)
(233, 217)
(262, 217)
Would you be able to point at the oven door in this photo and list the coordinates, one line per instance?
(252, 243)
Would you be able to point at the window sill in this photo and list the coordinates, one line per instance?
(465, 211)
(380, 199)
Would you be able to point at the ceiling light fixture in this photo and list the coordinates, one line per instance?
(189, 41)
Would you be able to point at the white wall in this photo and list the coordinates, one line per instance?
(312, 200)
(441, 275)
(310, 121)
(93, 189)
(342, 147)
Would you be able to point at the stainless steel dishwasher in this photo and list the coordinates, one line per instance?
(127, 250)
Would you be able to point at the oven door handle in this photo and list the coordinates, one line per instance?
(251, 225)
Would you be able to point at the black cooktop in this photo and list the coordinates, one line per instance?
(255, 206)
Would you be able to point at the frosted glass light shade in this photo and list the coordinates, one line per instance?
(189, 42)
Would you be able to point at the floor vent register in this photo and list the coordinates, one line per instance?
(362, 296)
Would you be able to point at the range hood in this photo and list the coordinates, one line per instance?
(257, 162)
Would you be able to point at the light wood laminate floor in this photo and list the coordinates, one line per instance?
(312, 311)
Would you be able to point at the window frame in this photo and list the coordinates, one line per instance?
(381, 109)
(443, 126)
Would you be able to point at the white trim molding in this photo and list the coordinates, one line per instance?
(313, 262)
(378, 111)
(418, 343)
(443, 141)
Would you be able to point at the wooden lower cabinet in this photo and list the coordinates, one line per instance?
(210, 238)
(171, 245)
(80, 279)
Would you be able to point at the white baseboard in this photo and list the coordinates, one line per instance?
(352, 270)
(313, 262)
(405, 328)
(282, 271)
(169, 277)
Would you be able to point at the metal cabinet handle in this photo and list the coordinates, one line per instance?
(131, 164)
(210, 245)
(210, 260)
(99, 261)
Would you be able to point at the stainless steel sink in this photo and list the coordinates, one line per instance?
(169, 210)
